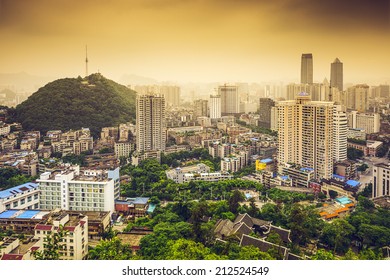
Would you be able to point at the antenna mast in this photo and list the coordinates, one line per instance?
(86, 61)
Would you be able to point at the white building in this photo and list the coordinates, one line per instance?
(5, 129)
(381, 180)
(179, 173)
(75, 243)
(123, 149)
(208, 177)
(370, 123)
(72, 189)
(215, 106)
(25, 196)
(340, 134)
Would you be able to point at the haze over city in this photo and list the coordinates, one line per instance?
(196, 41)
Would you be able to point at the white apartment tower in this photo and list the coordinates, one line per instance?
(340, 135)
(151, 125)
(305, 134)
(215, 106)
(381, 182)
(230, 99)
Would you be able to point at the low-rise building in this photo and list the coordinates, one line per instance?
(177, 174)
(123, 149)
(300, 176)
(75, 243)
(25, 196)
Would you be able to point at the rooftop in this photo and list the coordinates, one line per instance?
(23, 214)
(18, 189)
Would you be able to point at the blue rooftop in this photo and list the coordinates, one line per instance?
(306, 169)
(353, 183)
(343, 200)
(141, 200)
(285, 177)
(248, 196)
(339, 177)
(28, 214)
(18, 189)
(267, 160)
(151, 208)
(7, 214)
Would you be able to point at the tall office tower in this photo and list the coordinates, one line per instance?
(340, 126)
(151, 126)
(215, 106)
(305, 134)
(201, 108)
(307, 68)
(265, 112)
(357, 98)
(336, 74)
(381, 182)
(381, 91)
(274, 118)
(230, 99)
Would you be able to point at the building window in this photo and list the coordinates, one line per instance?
(15, 204)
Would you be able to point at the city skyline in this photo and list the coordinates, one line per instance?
(199, 41)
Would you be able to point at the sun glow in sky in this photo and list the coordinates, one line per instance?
(196, 40)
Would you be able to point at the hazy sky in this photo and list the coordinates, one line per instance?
(196, 40)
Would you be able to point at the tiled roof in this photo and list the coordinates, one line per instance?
(12, 257)
(263, 245)
(283, 233)
(244, 218)
(223, 228)
(43, 227)
(70, 228)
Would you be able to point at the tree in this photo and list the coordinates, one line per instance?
(183, 249)
(322, 254)
(234, 201)
(253, 253)
(338, 235)
(354, 154)
(112, 249)
(333, 194)
(52, 245)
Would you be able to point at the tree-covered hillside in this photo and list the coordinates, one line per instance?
(72, 103)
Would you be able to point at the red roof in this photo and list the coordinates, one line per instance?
(69, 228)
(12, 257)
(34, 248)
(82, 223)
(43, 227)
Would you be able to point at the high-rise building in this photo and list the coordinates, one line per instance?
(201, 108)
(357, 98)
(230, 99)
(305, 134)
(170, 92)
(340, 134)
(381, 182)
(336, 74)
(265, 112)
(370, 123)
(307, 68)
(215, 106)
(150, 122)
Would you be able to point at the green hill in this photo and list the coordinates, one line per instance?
(72, 103)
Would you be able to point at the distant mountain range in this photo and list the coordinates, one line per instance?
(23, 82)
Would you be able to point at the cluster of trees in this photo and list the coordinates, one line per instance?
(11, 177)
(149, 179)
(197, 155)
(69, 104)
(181, 232)
(354, 154)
